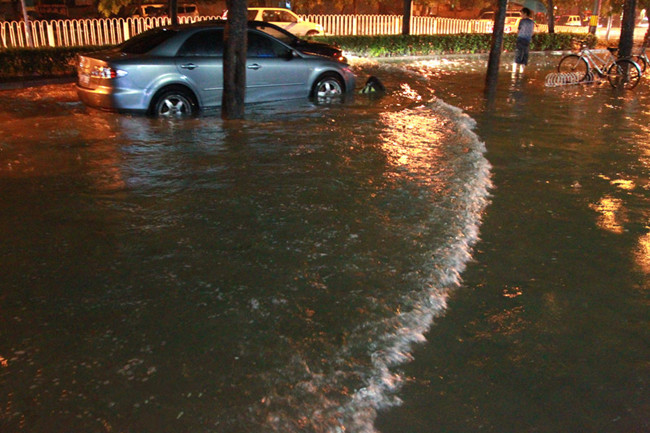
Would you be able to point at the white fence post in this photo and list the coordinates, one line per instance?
(50, 35)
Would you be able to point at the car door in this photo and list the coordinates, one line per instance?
(200, 61)
(273, 72)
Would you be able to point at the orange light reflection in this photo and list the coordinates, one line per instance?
(612, 214)
(642, 253)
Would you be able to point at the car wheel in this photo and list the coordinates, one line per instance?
(327, 88)
(312, 33)
(174, 102)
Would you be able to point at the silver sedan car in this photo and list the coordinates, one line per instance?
(178, 70)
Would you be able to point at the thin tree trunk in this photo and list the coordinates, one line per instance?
(172, 5)
(234, 60)
(406, 22)
(28, 27)
(627, 29)
(495, 51)
(609, 27)
(551, 17)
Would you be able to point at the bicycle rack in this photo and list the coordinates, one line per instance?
(556, 79)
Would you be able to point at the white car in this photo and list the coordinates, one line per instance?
(570, 20)
(511, 16)
(160, 10)
(283, 18)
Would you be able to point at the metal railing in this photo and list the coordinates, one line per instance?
(109, 31)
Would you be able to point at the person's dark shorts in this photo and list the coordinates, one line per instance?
(521, 51)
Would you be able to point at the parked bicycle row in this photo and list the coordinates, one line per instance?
(587, 66)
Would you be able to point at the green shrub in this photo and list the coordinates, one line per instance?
(25, 62)
(421, 45)
(44, 62)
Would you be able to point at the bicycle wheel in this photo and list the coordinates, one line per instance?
(624, 74)
(641, 61)
(576, 64)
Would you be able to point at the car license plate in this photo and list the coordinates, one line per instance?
(84, 79)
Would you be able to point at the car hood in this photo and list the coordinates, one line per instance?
(317, 48)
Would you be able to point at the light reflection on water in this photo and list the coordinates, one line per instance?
(559, 287)
(261, 275)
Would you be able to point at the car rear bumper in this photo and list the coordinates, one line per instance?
(107, 98)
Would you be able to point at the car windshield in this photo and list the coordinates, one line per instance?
(146, 41)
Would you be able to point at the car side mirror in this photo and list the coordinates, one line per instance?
(291, 54)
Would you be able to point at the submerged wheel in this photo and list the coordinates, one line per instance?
(173, 102)
(624, 74)
(327, 88)
(576, 64)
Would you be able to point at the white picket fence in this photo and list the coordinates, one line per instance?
(109, 31)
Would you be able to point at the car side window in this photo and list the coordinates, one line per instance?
(260, 45)
(206, 43)
(271, 16)
(287, 17)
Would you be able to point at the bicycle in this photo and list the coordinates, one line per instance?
(621, 73)
(642, 60)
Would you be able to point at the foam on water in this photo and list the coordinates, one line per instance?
(442, 155)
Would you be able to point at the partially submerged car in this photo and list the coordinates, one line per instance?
(178, 70)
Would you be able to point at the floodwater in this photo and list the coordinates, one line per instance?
(419, 262)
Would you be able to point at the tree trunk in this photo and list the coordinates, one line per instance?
(495, 51)
(172, 6)
(627, 29)
(28, 27)
(406, 22)
(551, 17)
(234, 60)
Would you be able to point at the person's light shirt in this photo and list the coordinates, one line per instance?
(526, 28)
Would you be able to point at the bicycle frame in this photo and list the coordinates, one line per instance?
(600, 65)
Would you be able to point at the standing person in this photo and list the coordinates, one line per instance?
(524, 36)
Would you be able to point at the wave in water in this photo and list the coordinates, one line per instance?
(436, 188)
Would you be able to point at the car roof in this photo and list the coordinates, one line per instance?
(165, 4)
(222, 23)
(269, 9)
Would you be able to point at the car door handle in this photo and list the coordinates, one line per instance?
(254, 66)
(189, 66)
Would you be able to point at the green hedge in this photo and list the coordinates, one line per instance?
(48, 62)
(42, 62)
(422, 45)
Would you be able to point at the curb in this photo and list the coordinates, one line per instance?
(23, 83)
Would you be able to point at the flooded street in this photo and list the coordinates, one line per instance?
(281, 274)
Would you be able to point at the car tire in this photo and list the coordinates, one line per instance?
(327, 88)
(312, 33)
(173, 102)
